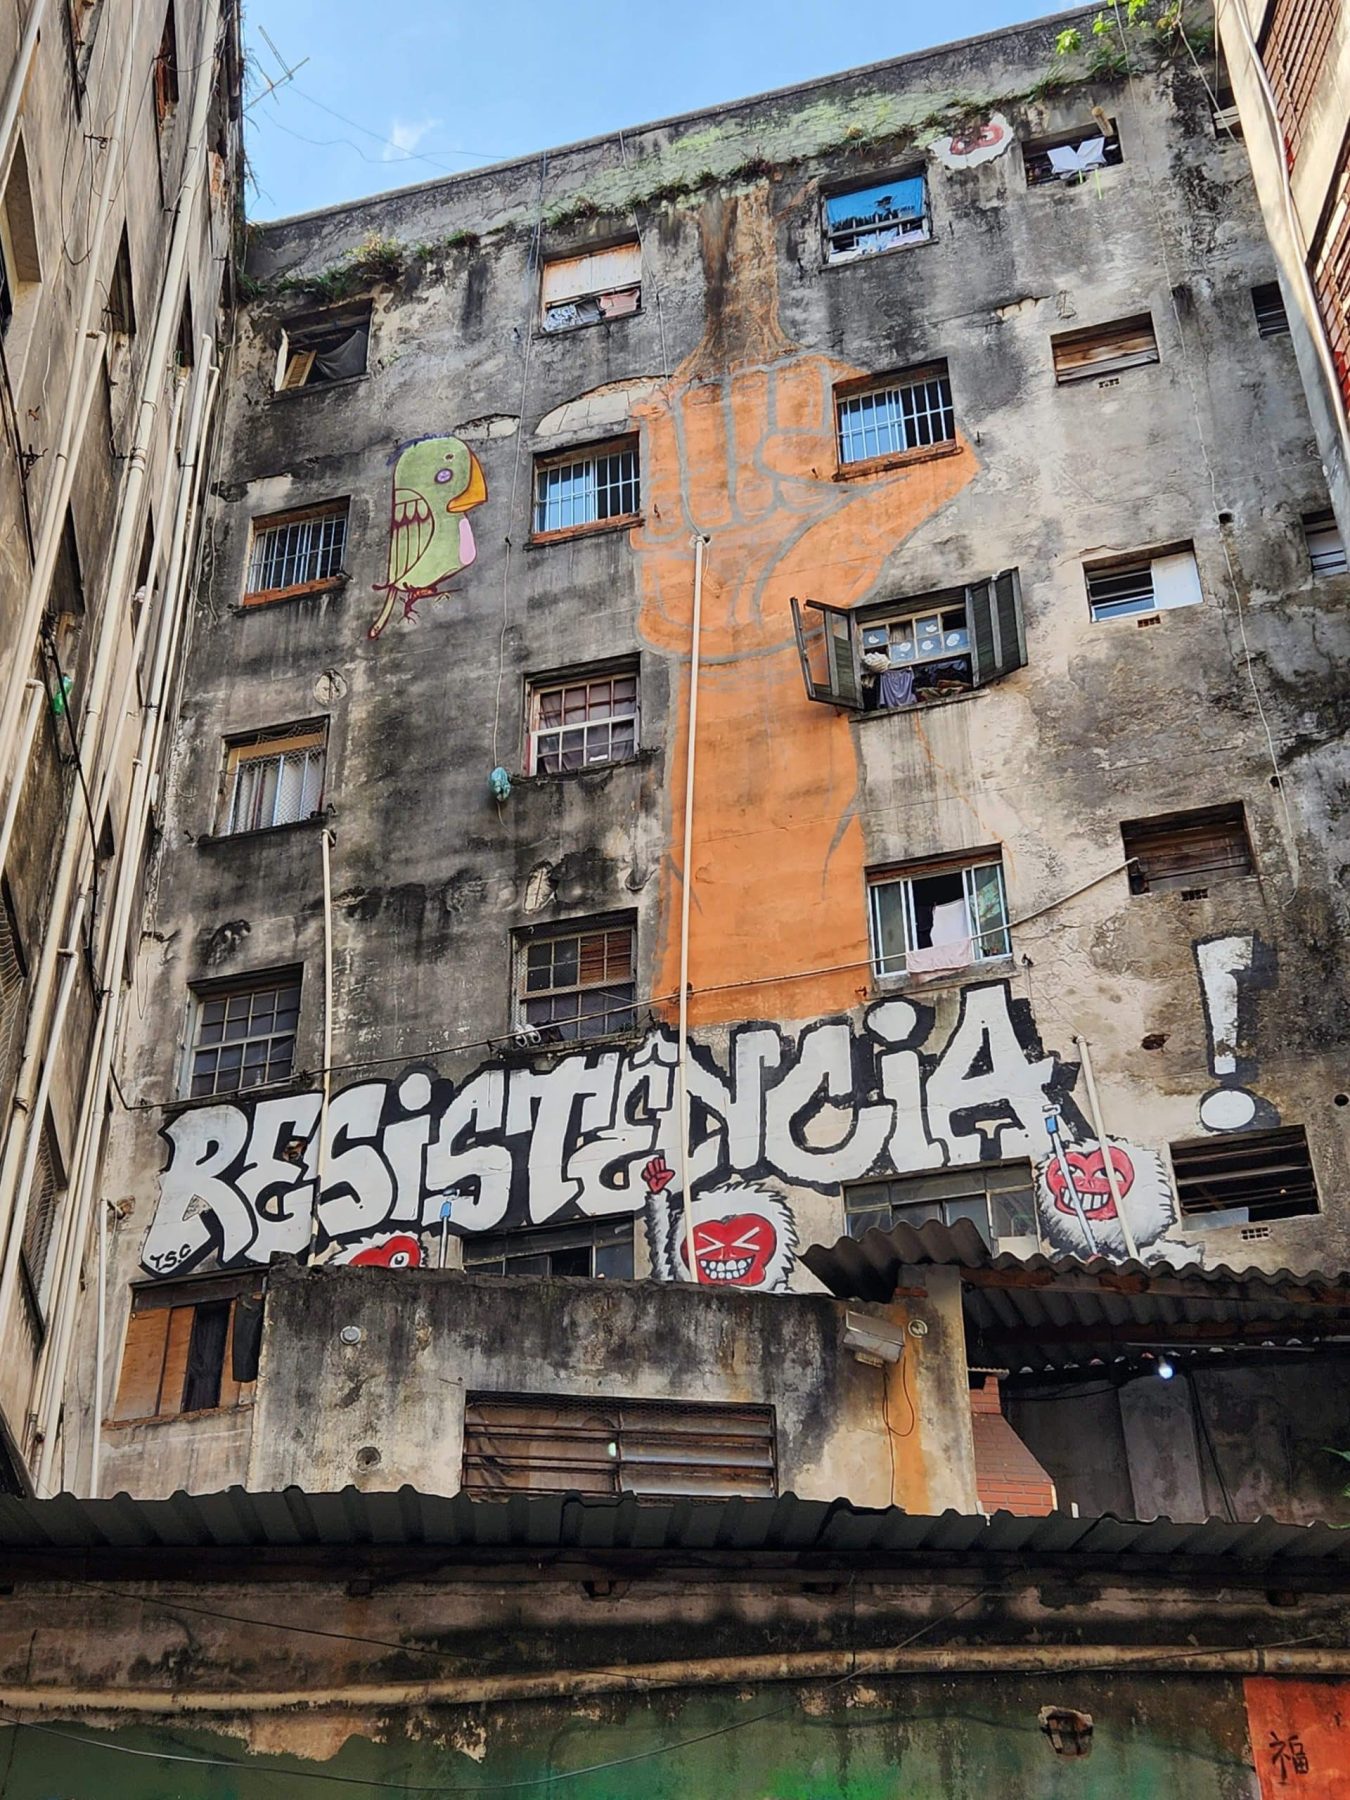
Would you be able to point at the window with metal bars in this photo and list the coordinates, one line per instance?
(1268, 306)
(1187, 849)
(1244, 1178)
(190, 1347)
(1067, 158)
(933, 918)
(44, 1205)
(13, 993)
(1294, 45)
(1103, 349)
(581, 722)
(1150, 583)
(600, 1248)
(243, 1034)
(537, 1444)
(999, 1199)
(296, 553)
(1330, 264)
(576, 983)
(595, 486)
(909, 411)
(273, 778)
(884, 215)
(1326, 546)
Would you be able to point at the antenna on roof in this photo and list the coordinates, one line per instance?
(287, 74)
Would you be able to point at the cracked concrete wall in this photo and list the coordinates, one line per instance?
(726, 375)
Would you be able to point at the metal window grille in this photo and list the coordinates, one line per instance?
(291, 553)
(904, 416)
(13, 984)
(1242, 1178)
(586, 490)
(999, 1199)
(910, 917)
(44, 1202)
(244, 1037)
(1268, 305)
(1181, 850)
(602, 1249)
(1294, 49)
(529, 1444)
(579, 985)
(578, 724)
(1326, 546)
(1331, 274)
(273, 783)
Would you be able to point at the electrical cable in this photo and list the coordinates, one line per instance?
(498, 1787)
(1199, 1410)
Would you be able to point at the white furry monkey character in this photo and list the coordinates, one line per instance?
(743, 1233)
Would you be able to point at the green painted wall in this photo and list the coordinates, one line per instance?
(929, 1739)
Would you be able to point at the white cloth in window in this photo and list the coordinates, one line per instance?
(1072, 160)
(950, 947)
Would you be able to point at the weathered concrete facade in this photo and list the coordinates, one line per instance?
(120, 165)
(1210, 1011)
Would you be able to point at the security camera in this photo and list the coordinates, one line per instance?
(873, 1341)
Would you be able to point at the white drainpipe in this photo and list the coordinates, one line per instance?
(686, 893)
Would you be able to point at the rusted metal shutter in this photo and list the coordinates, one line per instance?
(1184, 850)
(1082, 355)
(1294, 48)
(528, 1444)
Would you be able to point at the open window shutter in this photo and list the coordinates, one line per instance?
(997, 635)
(842, 685)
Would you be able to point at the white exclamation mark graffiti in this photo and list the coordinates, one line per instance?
(1220, 961)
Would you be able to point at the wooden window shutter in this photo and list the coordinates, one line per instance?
(842, 682)
(998, 641)
(142, 1365)
(597, 272)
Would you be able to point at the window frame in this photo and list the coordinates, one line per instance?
(1216, 1148)
(551, 1031)
(538, 687)
(598, 294)
(897, 382)
(1037, 147)
(1328, 562)
(120, 310)
(261, 746)
(164, 82)
(19, 252)
(580, 456)
(1111, 361)
(903, 875)
(266, 523)
(1137, 835)
(46, 1198)
(484, 1250)
(148, 1301)
(1121, 566)
(202, 994)
(337, 321)
(1269, 310)
(832, 258)
(974, 1176)
(995, 624)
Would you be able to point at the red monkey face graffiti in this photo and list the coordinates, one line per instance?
(743, 1233)
(399, 1252)
(1088, 1169)
(734, 1251)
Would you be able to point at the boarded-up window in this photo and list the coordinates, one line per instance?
(1294, 45)
(1241, 1178)
(179, 1354)
(525, 1444)
(583, 290)
(1104, 349)
(1187, 849)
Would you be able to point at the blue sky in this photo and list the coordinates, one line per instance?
(429, 87)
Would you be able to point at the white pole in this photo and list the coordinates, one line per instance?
(100, 1351)
(1112, 1179)
(686, 890)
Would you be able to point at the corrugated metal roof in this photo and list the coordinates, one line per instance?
(293, 1520)
(1045, 1312)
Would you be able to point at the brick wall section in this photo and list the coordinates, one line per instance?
(1007, 1475)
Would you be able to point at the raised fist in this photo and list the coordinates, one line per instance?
(658, 1174)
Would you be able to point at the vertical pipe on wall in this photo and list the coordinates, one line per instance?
(1112, 1179)
(100, 1350)
(686, 890)
(23, 750)
(325, 1090)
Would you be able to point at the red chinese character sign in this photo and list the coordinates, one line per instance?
(1300, 1737)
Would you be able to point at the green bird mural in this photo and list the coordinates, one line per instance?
(437, 482)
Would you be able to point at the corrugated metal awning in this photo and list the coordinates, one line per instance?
(236, 1520)
(1043, 1312)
